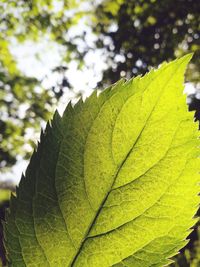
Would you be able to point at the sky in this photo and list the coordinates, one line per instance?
(38, 60)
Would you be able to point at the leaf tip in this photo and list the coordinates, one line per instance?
(186, 58)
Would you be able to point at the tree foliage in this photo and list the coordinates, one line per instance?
(144, 33)
(134, 36)
(22, 106)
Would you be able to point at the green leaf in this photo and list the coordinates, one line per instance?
(113, 182)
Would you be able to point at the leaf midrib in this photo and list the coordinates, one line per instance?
(121, 165)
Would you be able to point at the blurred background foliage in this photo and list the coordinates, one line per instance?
(129, 36)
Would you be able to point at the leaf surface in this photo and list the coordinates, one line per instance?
(113, 182)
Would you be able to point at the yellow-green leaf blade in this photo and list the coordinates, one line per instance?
(114, 181)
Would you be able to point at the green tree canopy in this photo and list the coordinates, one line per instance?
(133, 35)
(143, 33)
(22, 106)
